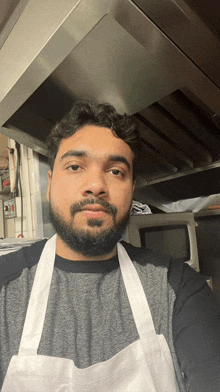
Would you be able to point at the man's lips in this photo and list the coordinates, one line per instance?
(99, 208)
(94, 211)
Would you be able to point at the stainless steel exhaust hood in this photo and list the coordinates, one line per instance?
(159, 62)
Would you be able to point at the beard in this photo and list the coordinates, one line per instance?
(83, 241)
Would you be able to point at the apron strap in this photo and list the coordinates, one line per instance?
(136, 295)
(36, 310)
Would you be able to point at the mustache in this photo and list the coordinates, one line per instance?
(76, 207)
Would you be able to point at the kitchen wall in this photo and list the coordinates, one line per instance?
(31, 196)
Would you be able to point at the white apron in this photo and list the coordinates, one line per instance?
(143, 366)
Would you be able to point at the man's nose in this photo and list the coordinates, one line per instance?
(95, 184)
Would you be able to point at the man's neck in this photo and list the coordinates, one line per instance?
(63, 250)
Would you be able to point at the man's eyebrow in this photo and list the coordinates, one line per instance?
(119, 158)
(74, 153)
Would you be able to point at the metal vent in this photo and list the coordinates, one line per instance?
(179, 138)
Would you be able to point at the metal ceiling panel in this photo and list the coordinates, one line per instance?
(177, 134)
(7, 7)
(45, 33)
(124, 58)
(152, 165)
(157, 128)
(194, 120)
(179, 21)
(162, 145)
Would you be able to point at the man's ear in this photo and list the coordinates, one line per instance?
(49, 175)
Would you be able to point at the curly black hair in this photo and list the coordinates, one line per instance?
(89, 113)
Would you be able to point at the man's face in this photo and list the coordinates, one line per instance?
(90, 190)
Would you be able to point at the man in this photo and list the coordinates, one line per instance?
(94, 314)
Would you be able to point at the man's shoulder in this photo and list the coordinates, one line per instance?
(158, 264)
(12, 264)
(147, 256)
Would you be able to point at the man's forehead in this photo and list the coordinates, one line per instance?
(95, 140)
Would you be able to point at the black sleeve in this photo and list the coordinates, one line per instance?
(196, 332)
(12, 264)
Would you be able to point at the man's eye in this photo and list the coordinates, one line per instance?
(73, 167)
(116, 172)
